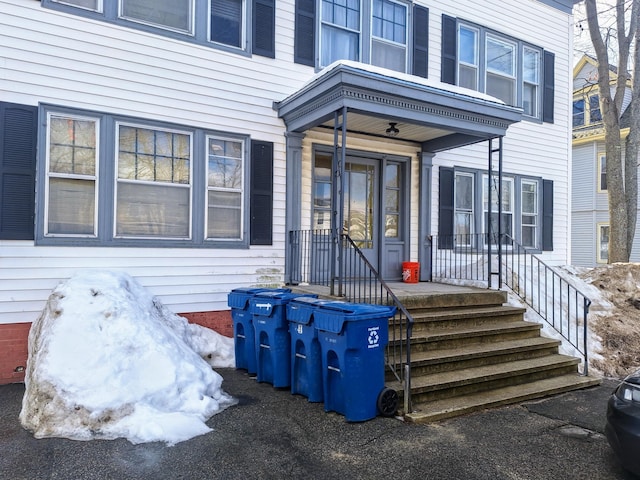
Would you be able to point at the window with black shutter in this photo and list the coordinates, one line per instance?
(261, 193)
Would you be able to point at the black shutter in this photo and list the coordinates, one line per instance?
(304, 42)
(261, 192)
(548, 90)
(420, 41)
(264, 28)
(449, 50)
(18, 137)
(547, 215)
(445, 208)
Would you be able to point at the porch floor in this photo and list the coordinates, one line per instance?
(402, 290)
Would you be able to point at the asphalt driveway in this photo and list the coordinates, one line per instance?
(272, 434)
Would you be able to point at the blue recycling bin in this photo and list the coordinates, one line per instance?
(272, 340)
(306, 358)
(352, 340)
(243, 331)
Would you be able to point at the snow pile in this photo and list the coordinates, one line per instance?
(108, 360)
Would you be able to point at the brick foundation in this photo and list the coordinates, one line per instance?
(13, 352)
(14, 339)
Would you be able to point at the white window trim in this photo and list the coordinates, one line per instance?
(473, 207)
(404, 45)
(94, 177)
(119, 124)
(535, 214)
(486, 183)
(537, 109)
(241, 190)
(476, 65)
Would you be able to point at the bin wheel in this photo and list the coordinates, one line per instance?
(388, 402)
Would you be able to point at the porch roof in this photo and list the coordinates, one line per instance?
(436, 115)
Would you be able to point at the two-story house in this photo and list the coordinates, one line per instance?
(186, 142)
(589, 194)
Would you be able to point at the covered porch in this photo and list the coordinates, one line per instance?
(376, 194)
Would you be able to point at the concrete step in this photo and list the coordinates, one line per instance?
(436, 301)
(455, 338)
(454, 318)
(475, 355)
(452, 407)
(487, 377)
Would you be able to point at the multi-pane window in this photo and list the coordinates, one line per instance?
(531, 81)
(95, 5)
(500, 66)
(603, 243)
(389, 35)
(225, 177)
(529, 202)
(586, 110)
(507, 205)
(369, 31)
(501, 69)
(171, 14)
(463, 199)
(120, 181)
(322, 192)
(227, 20)
(468, 64)
(602, 172)
(340, 30)
(153, 188)
(71, 182)
(392, 200)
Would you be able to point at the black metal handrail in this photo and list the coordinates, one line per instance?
(309, 263)
(559, 303)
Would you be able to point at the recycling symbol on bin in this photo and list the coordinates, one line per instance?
(374, 338)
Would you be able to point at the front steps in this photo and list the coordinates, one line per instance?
(471, 352)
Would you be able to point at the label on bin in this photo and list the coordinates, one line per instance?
(374, 337)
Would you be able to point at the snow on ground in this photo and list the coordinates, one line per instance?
(108, 360)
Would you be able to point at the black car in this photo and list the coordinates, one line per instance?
(623, 422)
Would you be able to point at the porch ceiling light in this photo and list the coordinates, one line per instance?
(392, 131)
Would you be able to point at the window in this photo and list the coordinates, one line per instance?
(507, 205)
(595, 115)
(509, 69)
(586, 111)
(224, 188)
(340, 30)
(602, 172)
(171, 14)
(464, 199)
(236, 25)
(529, 202)
(468, 66)
(389, 35)
(463, 208)
(153, 187)
(392, 34)
(501, 69)
(227, 22)
(531, 82)
(393, 192)
(578, 113)
(95, 5)
(322, 192)
(71, 183)
(110, 180)
(603, 243)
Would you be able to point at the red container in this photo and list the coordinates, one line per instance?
(410, 272)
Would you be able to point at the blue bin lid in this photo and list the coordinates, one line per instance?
(301, 309)
(332, 315)
(263, 303)
(239, 297)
